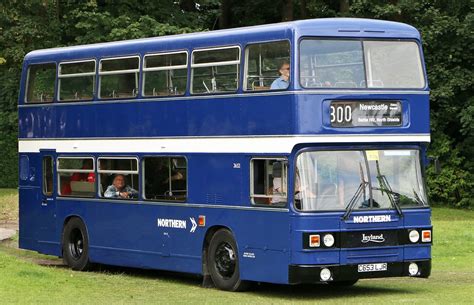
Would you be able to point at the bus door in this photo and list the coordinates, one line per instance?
(47, 215)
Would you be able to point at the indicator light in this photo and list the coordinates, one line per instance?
(426, 236)
(202, 221)
(314, 241)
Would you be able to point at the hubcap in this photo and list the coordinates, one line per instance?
(76, 244)
(225, 260)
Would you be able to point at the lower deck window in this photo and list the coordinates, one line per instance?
(269, 181)
(118, 178)
(76, 177)
(48, 175)
(165, 178)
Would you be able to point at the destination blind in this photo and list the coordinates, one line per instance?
(365, 113)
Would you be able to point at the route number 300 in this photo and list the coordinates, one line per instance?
(341, 113)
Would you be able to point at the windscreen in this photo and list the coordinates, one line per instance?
(374, 179)
(348, 64)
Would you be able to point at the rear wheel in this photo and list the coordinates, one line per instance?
(223, 262)
(76, 245)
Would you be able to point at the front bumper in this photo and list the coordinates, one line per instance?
(299, 274)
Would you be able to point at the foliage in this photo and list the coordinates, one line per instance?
(8, 144)
(446, 28)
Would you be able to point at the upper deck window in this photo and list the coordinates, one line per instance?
(216, 70)
(348, 64)
(119, 77)
(393, 64)
(41, 80)
(76, 80)
(165, 74)
(264, 61)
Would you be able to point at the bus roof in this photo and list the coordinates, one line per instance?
(325, 27)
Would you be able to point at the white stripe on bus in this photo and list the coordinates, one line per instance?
(239, 144)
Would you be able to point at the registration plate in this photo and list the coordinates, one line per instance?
(372, 267)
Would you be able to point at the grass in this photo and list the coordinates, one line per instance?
(8, 205)
(27, 277)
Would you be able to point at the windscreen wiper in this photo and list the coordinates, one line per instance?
(360, 190)
(418, 199)
(385, 187)
(391, 197)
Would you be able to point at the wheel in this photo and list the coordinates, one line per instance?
(343, 283)
(76, 245)
(223, 262)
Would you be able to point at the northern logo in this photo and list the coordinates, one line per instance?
(372, 218)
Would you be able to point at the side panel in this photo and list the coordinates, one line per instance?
(130, 235)
(271, 113)
(160, 235)
(197, 116)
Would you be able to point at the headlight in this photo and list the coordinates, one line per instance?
(328, 240)
(325, 274)
(414, 236)
(413, 269)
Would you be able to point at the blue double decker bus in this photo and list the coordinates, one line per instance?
(287, 153)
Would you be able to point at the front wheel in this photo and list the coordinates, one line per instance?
(223, 262)
(76, 245)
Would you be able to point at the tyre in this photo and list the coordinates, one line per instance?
(223, 262)
(76, 245)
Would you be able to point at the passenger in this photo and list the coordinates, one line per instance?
(65, 186)
(162, 174)
(283, 81)
(89, 177)
(118, 189)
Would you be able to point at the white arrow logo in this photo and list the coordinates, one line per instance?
(193, 221)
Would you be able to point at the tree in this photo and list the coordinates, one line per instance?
(445, 26)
